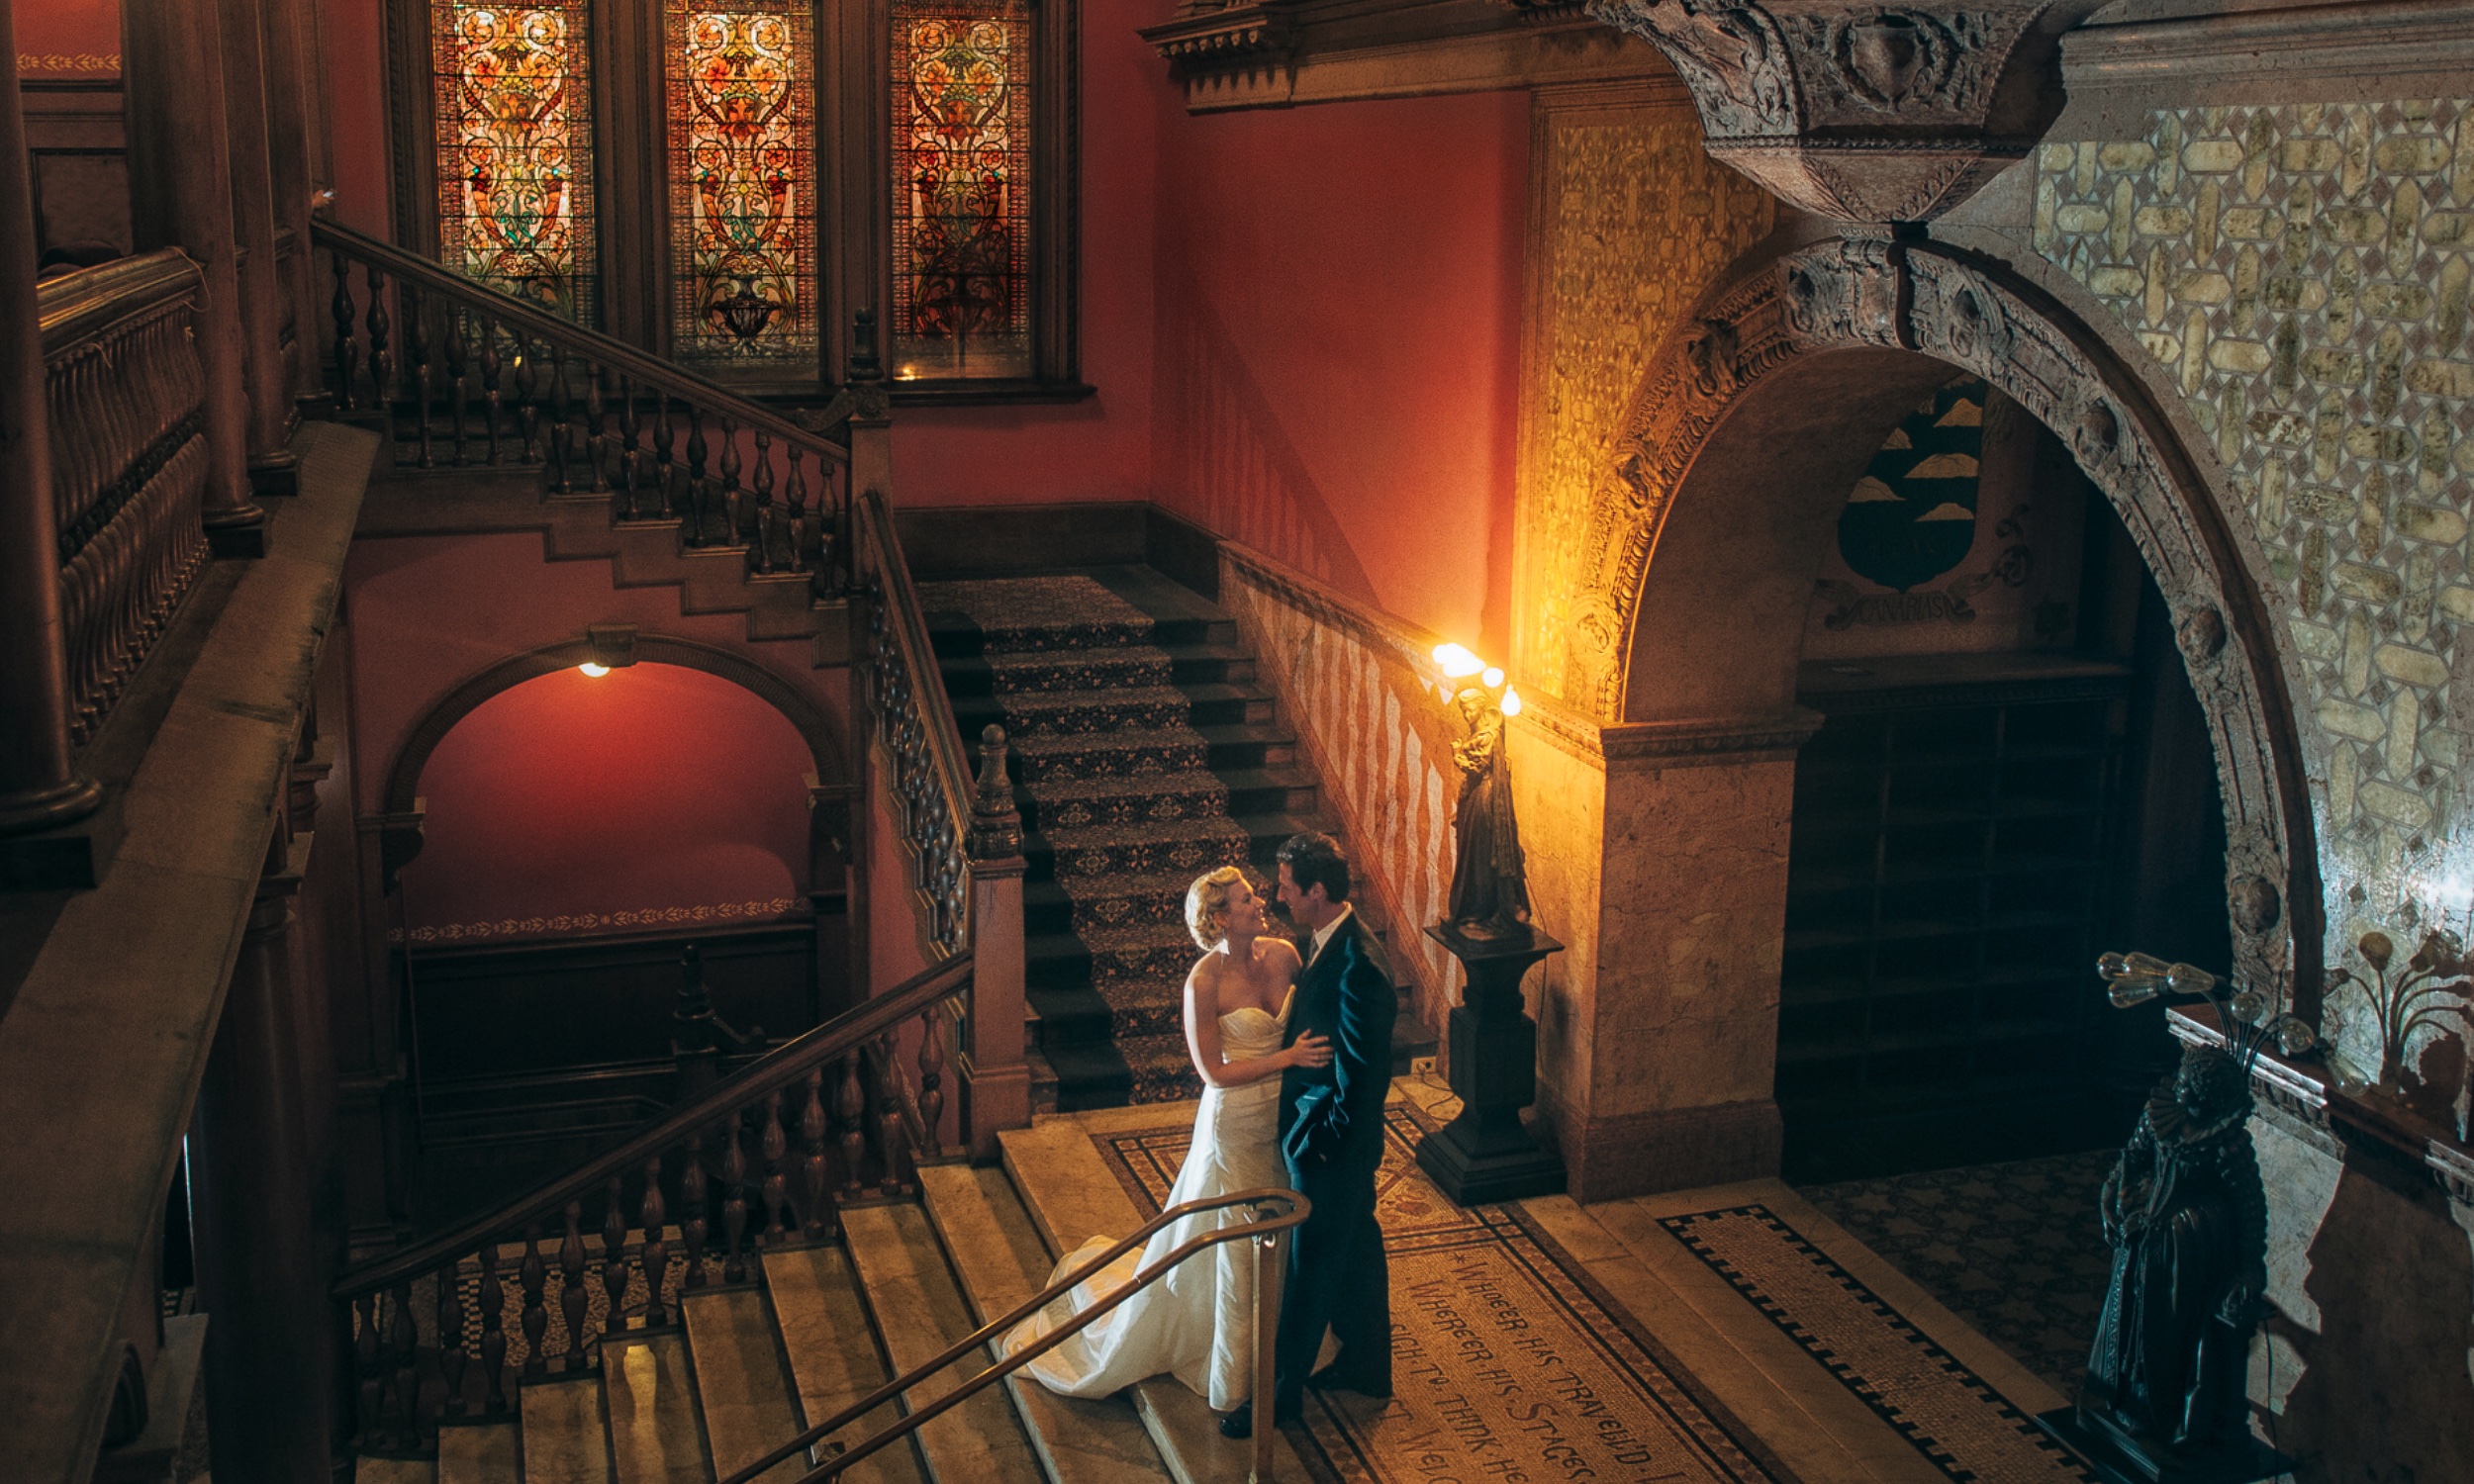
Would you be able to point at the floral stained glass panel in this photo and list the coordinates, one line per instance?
(514, 123)
(742, 182)
(962, 189)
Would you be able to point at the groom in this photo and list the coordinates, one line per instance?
(1331, 1133)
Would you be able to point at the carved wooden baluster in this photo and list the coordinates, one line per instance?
(348, 345)
(654, 1255)
(891, 1137)
(813, 1132)
(561, 433)
(458, 367)
(775, 1150)
(764, 501)
(730, 481)
(695, 489)
(372, 1373)
(404, 1349)
(451, 1354)
(661, 456)
(932, 1076)
(734, 1204)
(534, 1274)
(417, 352)
(490, 366)
(798, 492)
(596, 434)
(615, 1257)
(850, 1103)
(691, 1222)
(381, 362)
(628, 453)
(493, 1331)
(528, 396)
(572, 1301)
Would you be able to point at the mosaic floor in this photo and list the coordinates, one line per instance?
(2012, 1248)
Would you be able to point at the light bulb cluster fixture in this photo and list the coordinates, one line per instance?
(1459, 666)
(2243, 1016)
(593, 669)
(2412, 999)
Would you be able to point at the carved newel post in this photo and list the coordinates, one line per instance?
(1484, 1154)
(995, 1081)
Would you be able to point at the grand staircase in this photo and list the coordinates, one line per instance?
(1144, 753)
(742, 1367)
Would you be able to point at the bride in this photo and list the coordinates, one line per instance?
(1197, 1323)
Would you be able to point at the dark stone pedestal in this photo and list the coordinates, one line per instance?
(1485, 1154)
(2119, 1458)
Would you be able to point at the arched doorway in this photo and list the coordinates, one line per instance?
(581, 825)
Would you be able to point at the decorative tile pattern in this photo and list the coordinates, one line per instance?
(2015, 1250)
(602, 922)
(2301, 274)
(1508, 1361)
(1952, 1416)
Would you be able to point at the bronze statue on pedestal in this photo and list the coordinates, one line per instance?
(1489, 880)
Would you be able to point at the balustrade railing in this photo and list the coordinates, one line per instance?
(129, 464)
(766, 1157)
(460, 376)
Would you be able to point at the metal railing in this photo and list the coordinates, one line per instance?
(1262, 1228)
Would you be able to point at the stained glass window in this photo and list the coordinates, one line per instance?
(742, 182)
(515, 143)
(962, 189)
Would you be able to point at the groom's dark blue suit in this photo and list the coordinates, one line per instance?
(1331, 1133)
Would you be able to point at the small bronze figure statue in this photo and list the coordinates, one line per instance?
(1490, 878)
(2187, 1220)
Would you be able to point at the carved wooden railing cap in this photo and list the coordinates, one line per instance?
(1863, 112)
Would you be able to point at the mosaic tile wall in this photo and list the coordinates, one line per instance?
(2301, 273)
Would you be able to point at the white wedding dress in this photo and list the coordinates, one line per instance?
(1197, 1323)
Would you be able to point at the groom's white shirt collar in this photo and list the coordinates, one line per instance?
(1322, 935)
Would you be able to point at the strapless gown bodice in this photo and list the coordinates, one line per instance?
(1197, 1323)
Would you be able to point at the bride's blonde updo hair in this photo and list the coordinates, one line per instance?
(1206, 905)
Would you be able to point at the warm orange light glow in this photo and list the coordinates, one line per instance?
(1457, 663)
(1493, 675)
(593, 669)
(1511, 702)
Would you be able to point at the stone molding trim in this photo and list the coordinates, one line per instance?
(1275, 53)
(820, 732)
(1857, 112)
(1662, 1149)
(1668, 744)
(1978, 316)
(2321, 53)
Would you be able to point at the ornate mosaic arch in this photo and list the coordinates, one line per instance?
(1971, 313)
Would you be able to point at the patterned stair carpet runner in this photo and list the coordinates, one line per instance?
(1116, 781)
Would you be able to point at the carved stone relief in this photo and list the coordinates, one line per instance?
(1858, 112)
(1857, 293)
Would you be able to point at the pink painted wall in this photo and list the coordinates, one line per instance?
(1339, 309)
(428, 613)
(69, 38)
(579, 804)
(352, 53)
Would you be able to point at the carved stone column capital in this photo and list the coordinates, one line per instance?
(1862, 112)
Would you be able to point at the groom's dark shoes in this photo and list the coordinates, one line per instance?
(1240, 1423)
(1342, 1376)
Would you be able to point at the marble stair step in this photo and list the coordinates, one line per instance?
(566, 1440)
(1061, 713)
(656, 1431)
(1177, 846)
(1021, 672)
(833, 1355)
(1159, 1067)
(476, 1453)
(1148, 798)
(745, 1395)
(1186, 1433)
(920, 1310)
(1000, 1261)
(368, 1470)
(1124, 753)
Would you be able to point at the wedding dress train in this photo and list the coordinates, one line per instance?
(1197, 1323)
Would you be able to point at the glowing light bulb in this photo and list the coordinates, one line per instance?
(1493, 677)
(593, 669)
(1511, 702)
(1457, 662)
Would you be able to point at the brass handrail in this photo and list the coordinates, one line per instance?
(646, 370)
(1264, 1229)
(778, 1069)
